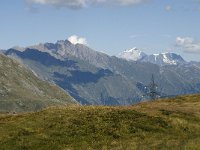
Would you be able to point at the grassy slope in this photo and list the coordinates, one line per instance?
(166, 124)
(21, 90)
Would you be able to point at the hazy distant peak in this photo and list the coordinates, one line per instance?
(132, 54)
(166, 58)
(21, 49)
(132, 49)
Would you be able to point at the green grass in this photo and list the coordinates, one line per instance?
(162, 124)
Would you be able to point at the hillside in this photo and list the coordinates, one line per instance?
(163, 124)
(21, 90)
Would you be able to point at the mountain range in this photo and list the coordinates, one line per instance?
(92, 77)
(161, 59)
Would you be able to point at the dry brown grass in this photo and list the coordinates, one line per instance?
(163, 124)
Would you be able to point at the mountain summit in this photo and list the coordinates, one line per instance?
(164, 59)
(161, 59)
(133, 54)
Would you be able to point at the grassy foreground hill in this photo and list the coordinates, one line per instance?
(21, 90)
(163, 124)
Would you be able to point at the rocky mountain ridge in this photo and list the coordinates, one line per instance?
(93, 77)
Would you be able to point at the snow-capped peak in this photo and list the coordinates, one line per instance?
(161, 59)
(132, 49)
(133, 54)
(166, 58)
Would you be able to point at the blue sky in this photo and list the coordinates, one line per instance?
(110, 26)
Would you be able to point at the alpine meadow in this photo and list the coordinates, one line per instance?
(99, 75)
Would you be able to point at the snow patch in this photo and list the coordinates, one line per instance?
(133, 54)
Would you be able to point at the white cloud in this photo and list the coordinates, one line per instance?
(168, 8)
(74, 39)
(74, 4)
(60, 3)
(128, 2)
(188, 44)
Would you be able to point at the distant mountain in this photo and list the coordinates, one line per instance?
(93, 77)
(164, 59)
(84, 81)
(21, 90)
(194, 63)
(161, 59)
(133, 54)
(64, 49)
